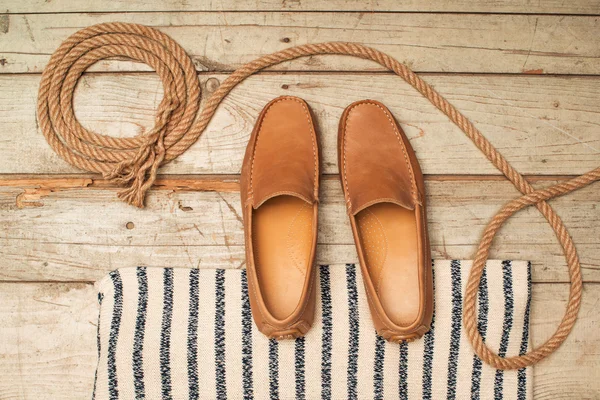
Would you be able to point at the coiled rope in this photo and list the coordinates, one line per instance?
(134, 162)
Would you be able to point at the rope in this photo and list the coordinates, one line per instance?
(133, 162)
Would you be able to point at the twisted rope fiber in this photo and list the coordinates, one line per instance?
(133, 162)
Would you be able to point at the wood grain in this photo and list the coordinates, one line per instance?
(47, 261)
(48, 346)
(524, 73)
(543, 125)
(485, 6)
(53, 233)
(571, 372)
(489, 43)
(49, 342)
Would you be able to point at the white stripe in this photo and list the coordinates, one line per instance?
(206, 334)
(126, 334)
(391, 373)
(107, 289)
(233, 328)
(415, 369)
(287, 369)
(151, 351)
(465, 357)
(443, 316)
(313, 347)
(366, 342)
(340, 332)
(519, 282)
(260, 363)
(179, 325)
(494, 323)
(233, 344)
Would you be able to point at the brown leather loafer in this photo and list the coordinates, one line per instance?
(385, 199)
(279, 190)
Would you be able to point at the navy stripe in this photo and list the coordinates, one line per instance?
(354, 331)
(138, 337)
(507, 325)
(428, 339)
(521, 374)
(482, 319)
(324, 280)
(246, 340)
(378, 368)
(273, 369)
(220, 334)
(403, 371)
(299, 363)
(455, 326)
(165, 335)
(100, 298)
(115, 326)
(192, 338)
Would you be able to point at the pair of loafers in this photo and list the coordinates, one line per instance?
(385, 201)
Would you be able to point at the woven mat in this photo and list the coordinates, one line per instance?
(175, 333)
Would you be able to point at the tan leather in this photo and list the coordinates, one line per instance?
(385, 199)
(279, 192)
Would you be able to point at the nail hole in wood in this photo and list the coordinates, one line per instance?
(212, 84)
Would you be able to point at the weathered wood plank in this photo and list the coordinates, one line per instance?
(79, 234)
(86, 262)
(500, 43)
(573, 372)
(48, 346)
(485, 6)
(49, 342)
(543, 125)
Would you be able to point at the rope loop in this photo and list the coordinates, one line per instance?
(124, 161)
(134, 162)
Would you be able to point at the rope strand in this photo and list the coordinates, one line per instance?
(134, 162)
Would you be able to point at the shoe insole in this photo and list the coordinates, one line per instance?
(388, 234)
(282, 231)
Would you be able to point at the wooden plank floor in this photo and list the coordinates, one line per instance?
(527, 74)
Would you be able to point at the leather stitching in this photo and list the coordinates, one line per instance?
(395, 128)
(413, 184)
(312, 137)
(251, 194)
(379, 200)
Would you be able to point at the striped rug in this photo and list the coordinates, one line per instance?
(174, 333)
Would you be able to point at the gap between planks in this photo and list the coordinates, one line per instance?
(315, 11)
(427, 42)
(211, 73)
(571, 8)
(201, 182)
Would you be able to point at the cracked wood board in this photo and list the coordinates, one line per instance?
(426, 42)
(542, 125)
